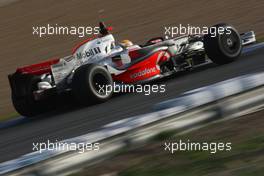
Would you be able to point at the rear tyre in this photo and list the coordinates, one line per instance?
(223, 48)
(24, 102)
(92, 84)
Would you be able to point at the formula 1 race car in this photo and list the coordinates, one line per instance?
(100, 61)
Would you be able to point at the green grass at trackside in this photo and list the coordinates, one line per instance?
(194, 163)
(203, 163)
(8, 116)
(260, 39)
(245, 158)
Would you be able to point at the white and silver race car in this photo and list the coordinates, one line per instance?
(100, 61)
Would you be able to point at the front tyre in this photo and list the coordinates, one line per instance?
(92, 84)
(225, 47)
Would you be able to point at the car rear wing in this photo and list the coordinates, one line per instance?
(248, 38)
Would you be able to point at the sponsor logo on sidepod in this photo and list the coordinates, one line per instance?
(89, 53)
(143, 72)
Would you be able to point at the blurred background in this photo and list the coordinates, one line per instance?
(136, 20)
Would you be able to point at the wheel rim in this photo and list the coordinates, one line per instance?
(101, 85)
(230, 42)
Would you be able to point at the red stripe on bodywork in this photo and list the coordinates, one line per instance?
(39, 68)
(149, 63)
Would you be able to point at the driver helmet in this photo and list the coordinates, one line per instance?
(126, 43)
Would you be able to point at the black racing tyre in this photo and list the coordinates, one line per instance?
(92, 84)
(25, 104)
(223, 48)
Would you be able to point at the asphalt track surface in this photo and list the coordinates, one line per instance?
(73, 121)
